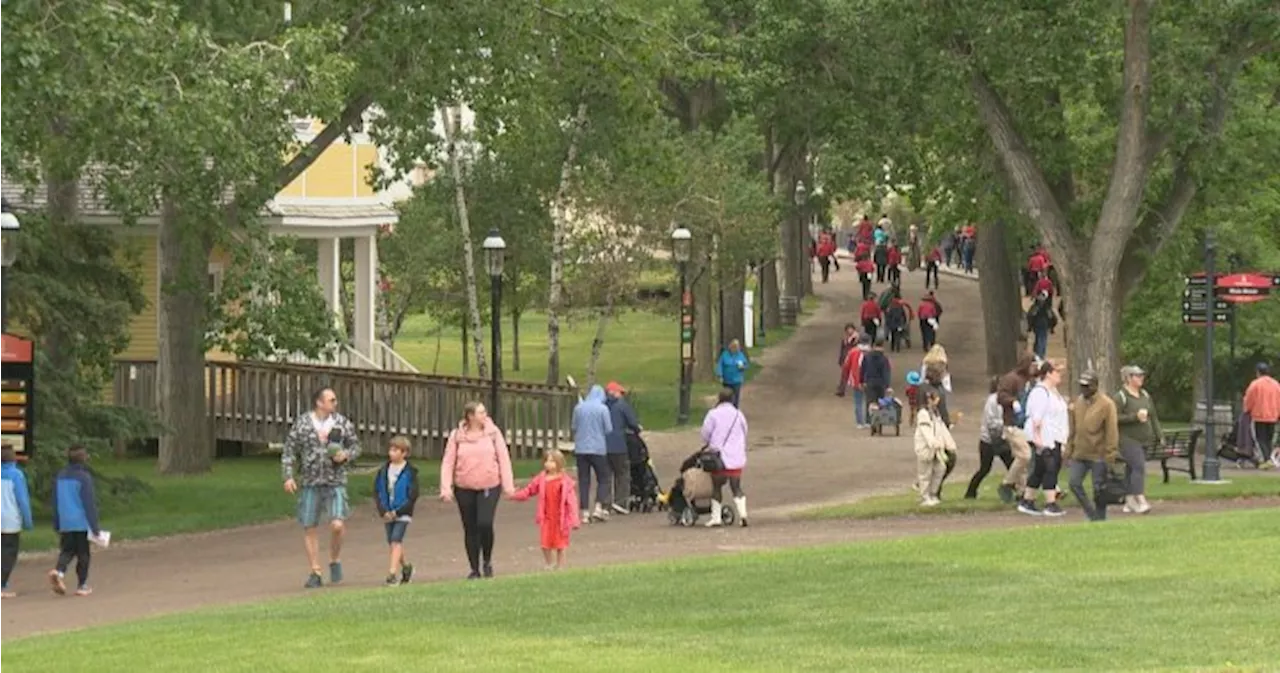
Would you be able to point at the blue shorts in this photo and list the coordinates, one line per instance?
(396, 531)
(322, 504)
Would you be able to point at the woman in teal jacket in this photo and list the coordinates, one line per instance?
(732, 369)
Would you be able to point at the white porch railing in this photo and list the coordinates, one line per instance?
(387, 359)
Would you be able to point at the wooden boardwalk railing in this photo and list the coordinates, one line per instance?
(257, 402)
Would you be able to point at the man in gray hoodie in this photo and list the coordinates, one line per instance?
(591, 428)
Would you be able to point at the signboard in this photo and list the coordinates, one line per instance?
(686, 327)
(17, 395)
(1243, 288)
(1196, 298)
(1191, 318)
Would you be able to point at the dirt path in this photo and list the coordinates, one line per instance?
(804, 451)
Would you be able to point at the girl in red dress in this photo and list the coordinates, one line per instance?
(557, 512)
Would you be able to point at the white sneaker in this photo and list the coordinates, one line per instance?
(930, 501)
(586, 516)
(600, 513)
(1129, 504)
(1142, 506)
(620, 509)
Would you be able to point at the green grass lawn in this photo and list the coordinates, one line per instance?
(1179, 488)
(1154, 594)
(641, 350)
(238, 492)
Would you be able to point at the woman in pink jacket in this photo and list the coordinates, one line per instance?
(724, 430)
(476, 464)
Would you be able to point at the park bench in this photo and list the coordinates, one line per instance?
(1180, 445)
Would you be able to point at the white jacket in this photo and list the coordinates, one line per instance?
(932, 439)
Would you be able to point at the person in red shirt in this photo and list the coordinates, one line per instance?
(852, 371)
(871, 315)
(1262, 403)
(865, 268)
(1036, 265)
(863, 251)
(893, 259)
(826, 250)
(865, 231)
(929, 311)
(1043, 284)
(931, 262)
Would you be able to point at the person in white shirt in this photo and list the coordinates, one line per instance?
(1047, 427)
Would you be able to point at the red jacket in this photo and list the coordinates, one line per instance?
(1043, 285)
(862, 251)
(871, 310)
(1037, 263)
(894, 256)
(865, 265)
(570, 519)
(927, 309)
(826, 245)
(852, 369)
(865, 229)
(934, 256)
(970, 231)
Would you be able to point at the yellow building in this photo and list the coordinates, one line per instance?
(331, 202)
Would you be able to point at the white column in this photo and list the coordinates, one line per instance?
(366, 293)
(327, 264)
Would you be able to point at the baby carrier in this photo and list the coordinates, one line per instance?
(646, 494)
(690, 495)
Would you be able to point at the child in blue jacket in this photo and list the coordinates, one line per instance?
(395, 489)
(75, 517)
(15, 509)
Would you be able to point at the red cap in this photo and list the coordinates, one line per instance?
(614, 387)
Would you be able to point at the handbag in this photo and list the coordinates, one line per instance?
(1115, 487)
(709, 459)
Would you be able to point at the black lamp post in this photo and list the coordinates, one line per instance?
(494, 251)
(9, 228)
(681, 244)
(1211, 471)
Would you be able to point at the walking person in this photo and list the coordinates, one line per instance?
(592, 424)
(724, 431)
(934, 448)
(75, 517)
(852, 373)
(15, 512)
(1011, 391)
(876, 372)
(1092, 445)
(731, 369)
(929, 312)
(623, 421)
(826, 251)
(1040, 322)
(950, 241)
(865, 267)
(475, 472)
(968, 247)
(557, 510)
(1262, 404)
(1047, 427)
(991, 443)
(870, 315)
(931, 262)
(897, 322)
(893, 260)
(913, 248)
(1140, 431)
(395, 493)
(881, 258)
(318, 449)
(847, 343)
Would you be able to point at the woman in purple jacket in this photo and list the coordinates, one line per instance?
(724, 430)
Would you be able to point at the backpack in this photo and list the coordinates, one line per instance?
(1020, 417)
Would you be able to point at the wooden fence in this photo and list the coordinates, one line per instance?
(258, 401)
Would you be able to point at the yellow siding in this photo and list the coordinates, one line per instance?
(296, 188)
(143, 332)
(366, 157)
(331, 174)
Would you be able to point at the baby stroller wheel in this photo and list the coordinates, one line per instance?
(728, 515)
(674, 518)
(688, 517)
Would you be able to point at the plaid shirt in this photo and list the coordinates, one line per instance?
(302, 444)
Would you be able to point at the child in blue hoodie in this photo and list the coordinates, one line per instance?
(75, 517)
(395, 489)
(15, 509)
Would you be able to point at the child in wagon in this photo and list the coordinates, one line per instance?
(557, 512)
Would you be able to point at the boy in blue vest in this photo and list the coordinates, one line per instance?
(75, 517)
(16, 511)
(395, 489)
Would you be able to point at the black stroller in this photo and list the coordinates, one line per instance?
(690, 496)
(646, 492)
(1239, 444)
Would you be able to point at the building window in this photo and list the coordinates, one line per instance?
(215, 278)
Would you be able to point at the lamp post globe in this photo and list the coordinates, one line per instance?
(681, 244)
(495, 250)
(9, 228)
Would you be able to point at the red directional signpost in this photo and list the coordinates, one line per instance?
(1244, 288)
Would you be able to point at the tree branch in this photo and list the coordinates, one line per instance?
(351, 113)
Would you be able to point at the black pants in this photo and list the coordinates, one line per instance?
(894, 274)
(1045, 465)
(1265, 434)
(931, 272)
(478, 509)
(928, 336)
(865, 279)
(11, 544)
(987, 454)
(881, 268)
(871, 328)
(600, 466)
(717, 487)
(620, 465)
(825, 264)
(835, 261)
(897, 337)
(872, 391)
(75, 545)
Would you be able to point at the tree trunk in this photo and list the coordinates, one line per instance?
(451, 130)
(735, 283)
(597, 344)
(1093, 317)
(1001, 300)
(560, 226)
(769, 296)
(466, 358)
(435, 362)
(186, 440)
(704, 346)
(515, 338)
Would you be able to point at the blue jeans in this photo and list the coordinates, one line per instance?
(1042, 341)
(737, 393)
(859, 407)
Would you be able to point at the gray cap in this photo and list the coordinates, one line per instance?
(1088, 378)
(1131, 370)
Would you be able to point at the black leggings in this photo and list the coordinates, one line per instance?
(718, 482)
(1045, 465)
(75, 545)
(478, 509)
(12, 541)
(931, 272)
(987, 454)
